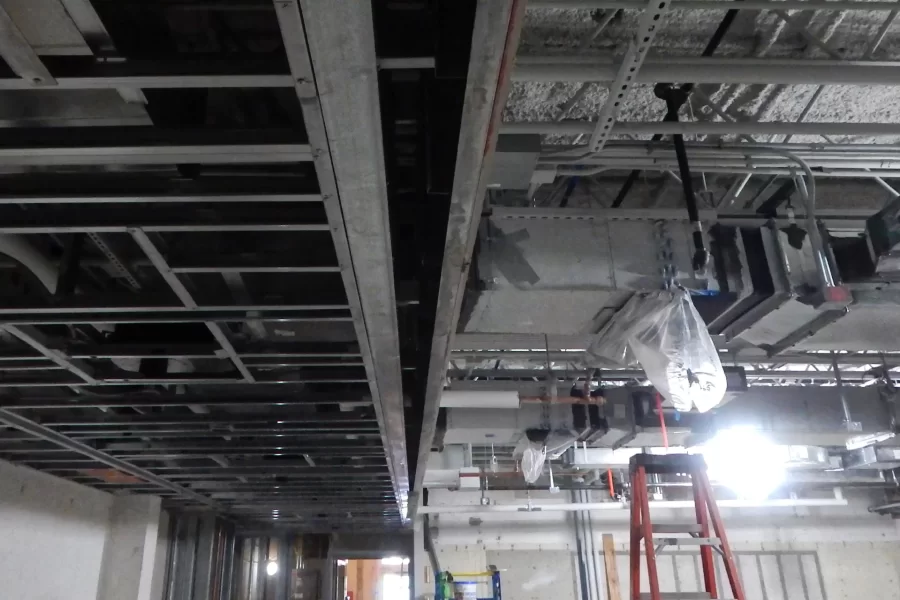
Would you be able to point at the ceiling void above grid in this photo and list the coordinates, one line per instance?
(180, 312)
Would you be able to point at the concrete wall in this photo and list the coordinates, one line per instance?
(827, 553)
(63, 541)
(52, 535)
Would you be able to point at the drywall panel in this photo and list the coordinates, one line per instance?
(52, 536)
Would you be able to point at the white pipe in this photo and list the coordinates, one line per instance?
(580, 568)
(622, 506)
(720, 4)
(589, 533)
(875, 166)
(836, 173)
(722, 70)
(705, 128)
(590, 565)
(478, 399)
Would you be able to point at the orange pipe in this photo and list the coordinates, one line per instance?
(662, 421)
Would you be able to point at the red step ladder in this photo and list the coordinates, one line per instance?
(656, 537)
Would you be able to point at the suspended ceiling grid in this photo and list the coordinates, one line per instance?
(181, 311)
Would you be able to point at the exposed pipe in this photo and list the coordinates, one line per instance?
(662, 161)
(720, 71)
(807, 5)
(885, 507)
(705, 128)
(622, 506)
(674, 99)
(840, 388)
(563, 399)
(581, 571)
(589, 531)
(782, 171)
(590, 565)
(552, 152)
(808, 193)
(686, 89)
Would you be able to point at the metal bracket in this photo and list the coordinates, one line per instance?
(665, 254)
(648, 25)
(118, 265)
(20, 56)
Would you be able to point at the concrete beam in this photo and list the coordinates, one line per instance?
(341, 41)
(495, 41)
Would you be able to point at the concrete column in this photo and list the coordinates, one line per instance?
(130, 552)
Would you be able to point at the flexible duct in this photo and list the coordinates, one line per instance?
(20, 249)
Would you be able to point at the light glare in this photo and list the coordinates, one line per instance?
(272, 568)
(745, 461)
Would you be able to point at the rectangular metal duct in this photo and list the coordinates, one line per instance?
(802, 416)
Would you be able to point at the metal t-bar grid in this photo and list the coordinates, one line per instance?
(297, 417)
(45, 433)
(159, 261)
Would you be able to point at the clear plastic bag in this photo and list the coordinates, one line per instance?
(533, 458)
(665, 334)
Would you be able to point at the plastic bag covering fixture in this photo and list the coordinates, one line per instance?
(665, 334)
(533, 461)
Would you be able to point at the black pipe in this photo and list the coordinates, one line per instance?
(711, 47)
(675, 97)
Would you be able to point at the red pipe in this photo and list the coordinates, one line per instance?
(662, 421)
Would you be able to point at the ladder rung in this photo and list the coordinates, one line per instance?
(677, 528)
(678, 596)
(686, 541)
